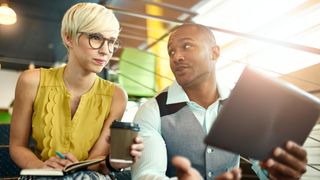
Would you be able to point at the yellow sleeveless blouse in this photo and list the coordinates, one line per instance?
(52, 126)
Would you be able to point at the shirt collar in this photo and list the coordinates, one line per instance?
(177, 95)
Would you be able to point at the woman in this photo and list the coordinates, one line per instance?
(70, 109)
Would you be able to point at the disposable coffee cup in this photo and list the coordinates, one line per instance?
(122, 137)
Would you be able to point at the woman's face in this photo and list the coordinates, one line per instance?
(94, 50)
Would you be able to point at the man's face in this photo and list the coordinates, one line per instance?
(191, 56)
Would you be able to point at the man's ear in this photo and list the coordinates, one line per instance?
(215, 52)
(68, 40)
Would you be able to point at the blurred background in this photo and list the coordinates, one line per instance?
(279, 38)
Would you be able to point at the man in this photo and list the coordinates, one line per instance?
(178, 119)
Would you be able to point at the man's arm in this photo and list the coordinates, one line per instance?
(153, 162)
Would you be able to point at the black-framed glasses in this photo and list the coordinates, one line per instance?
(96, 41)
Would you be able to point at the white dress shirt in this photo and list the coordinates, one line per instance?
(153, 162)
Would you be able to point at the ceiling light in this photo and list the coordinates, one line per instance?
(7, 15)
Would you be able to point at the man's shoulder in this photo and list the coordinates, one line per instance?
(148, 116)
(149, 104)
(150, 107)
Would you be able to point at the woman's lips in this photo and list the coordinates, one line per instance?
(100, 62)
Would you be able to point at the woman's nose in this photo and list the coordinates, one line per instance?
(104, 50)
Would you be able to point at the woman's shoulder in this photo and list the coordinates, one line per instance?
(30, 77)
(120, 92)
(28, 83)
(119, 88)
(112, 88)
(119, 98)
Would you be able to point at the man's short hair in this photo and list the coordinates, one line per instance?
(204, 30)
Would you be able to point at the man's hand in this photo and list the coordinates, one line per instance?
(234, 174)
(184, 169)
(135, 150)
(186, 172)
(288, 163)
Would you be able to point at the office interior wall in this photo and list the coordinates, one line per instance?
(8, 80)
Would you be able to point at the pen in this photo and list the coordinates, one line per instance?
(60, 155)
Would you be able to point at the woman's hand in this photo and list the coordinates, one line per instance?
(58, 163)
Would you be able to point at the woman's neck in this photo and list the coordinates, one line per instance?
(77, 81)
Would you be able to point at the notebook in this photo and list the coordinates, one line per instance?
(261, 114)
(71, 168)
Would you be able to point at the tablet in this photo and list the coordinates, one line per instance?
(261, 114)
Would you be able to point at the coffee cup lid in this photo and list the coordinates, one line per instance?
(125, 125)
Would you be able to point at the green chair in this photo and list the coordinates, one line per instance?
(137, 72)
(5, 118)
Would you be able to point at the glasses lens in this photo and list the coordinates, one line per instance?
(113, 45)
(96, 41)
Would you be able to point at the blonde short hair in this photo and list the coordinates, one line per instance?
(88, 17)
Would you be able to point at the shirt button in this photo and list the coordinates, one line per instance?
(209, 150)
(210, 174)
